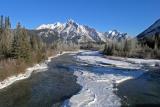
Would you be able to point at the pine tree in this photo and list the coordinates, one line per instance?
(5, 39)
(157, 41)
(36, 42)
(25, 45)
(1, 22)
(7, 23)
(16, 43)
(21, 44)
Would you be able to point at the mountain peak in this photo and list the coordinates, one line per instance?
(49, 26)
(45, 26)
(79, 33)
(70, 21)
(58, 24)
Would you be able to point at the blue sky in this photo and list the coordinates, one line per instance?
(131, 16)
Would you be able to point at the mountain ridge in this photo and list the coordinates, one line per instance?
(75, 32)
(151, 30)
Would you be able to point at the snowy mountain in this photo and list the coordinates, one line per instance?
(47, 26)
(72, 31)
(57, 25)
(114, 34)
(152, 30)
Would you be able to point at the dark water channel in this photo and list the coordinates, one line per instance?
(143, 91)
(51, 87)
(43, 89)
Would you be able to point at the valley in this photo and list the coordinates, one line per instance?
(109, 56)
(85, 76)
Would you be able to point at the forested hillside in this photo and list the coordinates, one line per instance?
(145, 45)
(20, 48)
(132, 48)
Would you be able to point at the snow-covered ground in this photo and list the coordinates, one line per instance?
(37, 68)
(96, 58)
(129, 63)
(99, 79)
(142, 62)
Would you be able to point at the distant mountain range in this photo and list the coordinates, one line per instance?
(77, 33)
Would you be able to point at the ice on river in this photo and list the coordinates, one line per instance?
(94, 57)
(99, 79)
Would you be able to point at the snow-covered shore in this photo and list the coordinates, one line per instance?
(129, 63)
(100, 77)
(146, 62)
(37, 67)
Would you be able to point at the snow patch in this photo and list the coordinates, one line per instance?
(94, 58)
(99, 82)
(50, 26)
(140, 62)
(98, 90)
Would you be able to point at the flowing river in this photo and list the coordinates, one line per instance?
(84, 79)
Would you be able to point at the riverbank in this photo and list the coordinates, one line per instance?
(44, 89)
(99, 76)
(63, 78)
(36, 68)
(146, 64)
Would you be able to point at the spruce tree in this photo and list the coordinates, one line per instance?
(5, 39)
(16, 42)
(1, 22)
(7, 23)
(25, 45)
(21, 44)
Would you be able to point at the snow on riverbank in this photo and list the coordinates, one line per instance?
(99, 80)
(94, 58)
(129, 63)
(146, 62)
(37, 67)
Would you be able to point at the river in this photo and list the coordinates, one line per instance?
(43, 89)
(84, 79)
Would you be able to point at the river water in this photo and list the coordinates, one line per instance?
(43, 89)
(59, 83)
(143, 91)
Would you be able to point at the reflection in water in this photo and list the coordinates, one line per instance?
(17, 94)
(43, 89)
(50, 88)
(144, 90)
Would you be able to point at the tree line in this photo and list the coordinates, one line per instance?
(18, 44)
(148, 47)
(21, 48)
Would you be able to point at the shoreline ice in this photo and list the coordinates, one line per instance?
(98, 81)
(37, 67)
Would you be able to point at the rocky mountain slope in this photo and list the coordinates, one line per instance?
(74, 32)
(151, 31)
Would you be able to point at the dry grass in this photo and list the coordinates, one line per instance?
(51, 53)
(11, 67)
